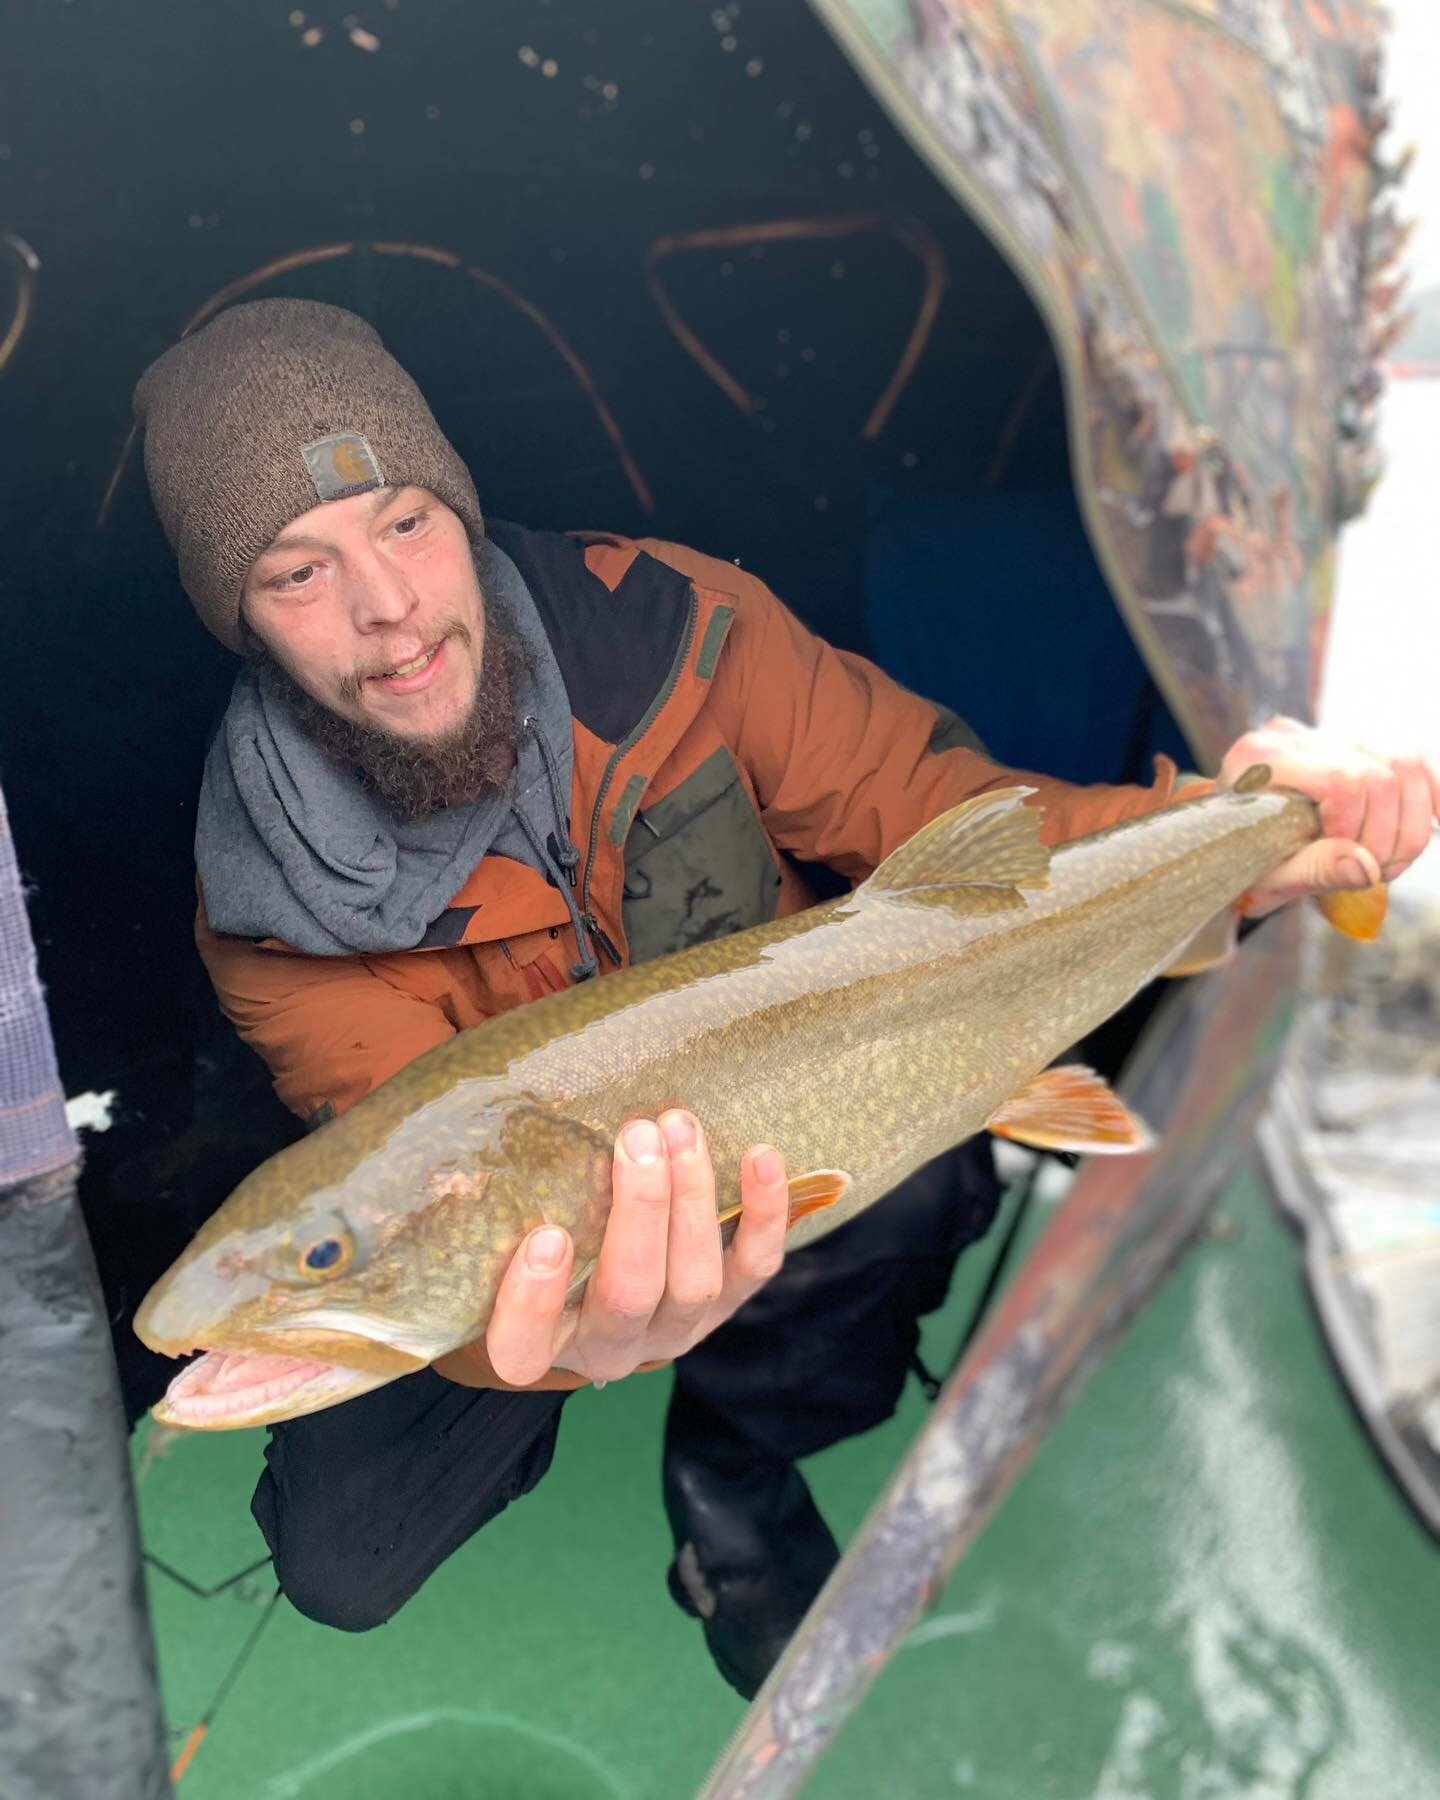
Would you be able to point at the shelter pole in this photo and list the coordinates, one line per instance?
(1200, 1076)
(80, 1715)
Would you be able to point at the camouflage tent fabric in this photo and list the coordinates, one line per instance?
(1193, 191)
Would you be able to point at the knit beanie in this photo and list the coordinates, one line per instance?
(271, 408)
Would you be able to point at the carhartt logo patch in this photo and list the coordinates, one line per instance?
(341, 465)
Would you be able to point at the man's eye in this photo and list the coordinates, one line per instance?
(409, 525)
(295, 578)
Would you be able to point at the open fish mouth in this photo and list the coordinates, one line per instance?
(222, 1389)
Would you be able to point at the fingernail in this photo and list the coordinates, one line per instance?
(679, 1132)
(545, 1249)
(1354, 871)
(768, 1166)
(641, 1139)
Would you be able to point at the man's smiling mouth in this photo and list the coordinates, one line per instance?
(412, 673)
(413, 668)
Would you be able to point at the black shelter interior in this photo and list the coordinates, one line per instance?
(660, 267)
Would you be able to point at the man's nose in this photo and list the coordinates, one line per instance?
(380, 595)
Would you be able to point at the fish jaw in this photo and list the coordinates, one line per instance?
(229, 1390)
(251, 1373)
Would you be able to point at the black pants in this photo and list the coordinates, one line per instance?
(362, 1503)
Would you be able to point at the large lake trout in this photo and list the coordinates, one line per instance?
(861, 1038)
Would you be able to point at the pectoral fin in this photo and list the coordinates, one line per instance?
(815, 1190)
(1070, 1108)
(1213, 944)
(1358, 912)
(809, 1193)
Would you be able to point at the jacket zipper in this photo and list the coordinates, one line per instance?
(617, 755)
(598, 932)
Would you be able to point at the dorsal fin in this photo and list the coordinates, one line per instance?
(989, 841)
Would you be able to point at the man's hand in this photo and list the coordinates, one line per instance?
(661, 1281)
(1376, 810)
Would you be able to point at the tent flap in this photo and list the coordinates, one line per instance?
(1190, 193)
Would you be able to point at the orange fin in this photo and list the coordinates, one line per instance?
(1358, 912)
(815, 1190)
(810, 1193)
(1070, 1108)
(1213, 944)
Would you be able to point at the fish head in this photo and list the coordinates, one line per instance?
(323, 1276)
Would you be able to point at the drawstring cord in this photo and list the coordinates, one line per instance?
(562, 862)
(569, 856)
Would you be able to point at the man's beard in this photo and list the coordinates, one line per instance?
(417, 776)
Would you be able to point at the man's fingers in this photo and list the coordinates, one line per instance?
(1417, 811)
(1382, 816)
(1339, 792)
(1386, 805)
(758, 1247)
(1432, 775)
(1325, 864)
(523, 1329)
(694, 1272)
(629, 1278)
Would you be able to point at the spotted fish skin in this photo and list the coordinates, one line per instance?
(867, 1035)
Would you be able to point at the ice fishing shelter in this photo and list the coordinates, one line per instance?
(1027, 347)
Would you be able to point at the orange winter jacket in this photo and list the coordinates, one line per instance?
(716, 743)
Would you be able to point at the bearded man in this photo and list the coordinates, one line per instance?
(466, 765)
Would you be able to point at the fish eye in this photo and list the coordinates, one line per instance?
(331, 1253)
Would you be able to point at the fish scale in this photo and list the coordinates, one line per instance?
(864, 1037)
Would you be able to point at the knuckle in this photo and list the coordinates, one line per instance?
(627, 1302)
(641, 1188)
(690, 1296)
(693, 1189)
(648, 1201)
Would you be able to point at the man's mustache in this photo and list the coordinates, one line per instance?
(352, 684)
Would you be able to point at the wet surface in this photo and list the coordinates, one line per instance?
(1203, 1586)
